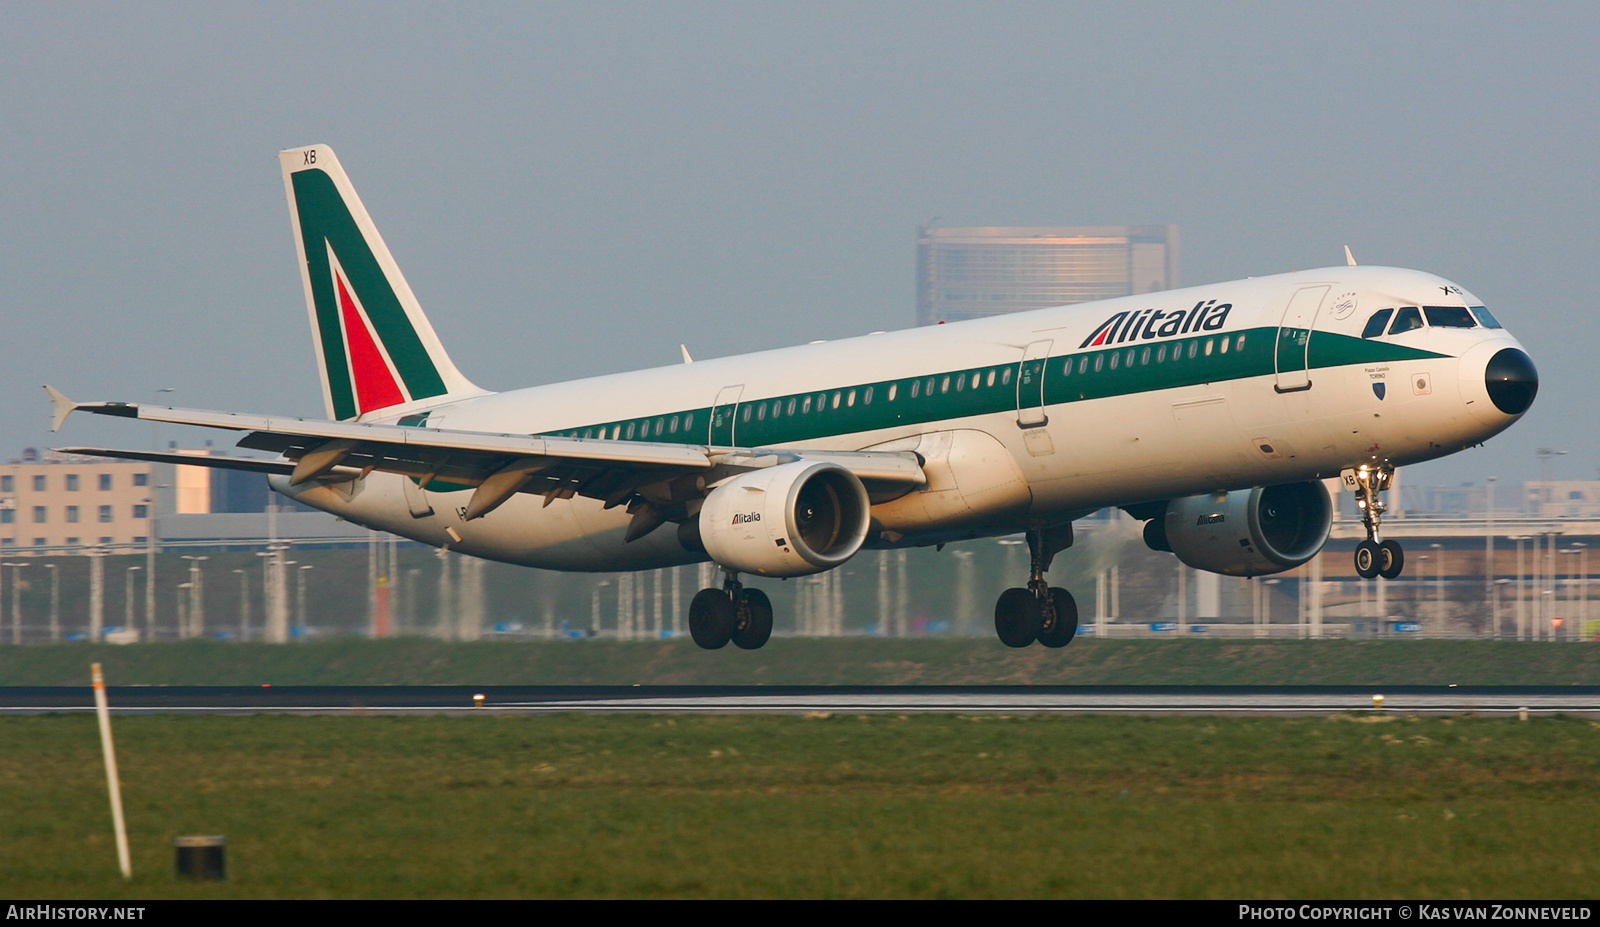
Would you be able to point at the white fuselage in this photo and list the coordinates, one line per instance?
(1011, 436)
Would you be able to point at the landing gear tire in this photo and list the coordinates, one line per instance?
(1391, 559)
(712, 619)
(1059, 618)
(753, 614)
(1368, 563)
(1017, 617)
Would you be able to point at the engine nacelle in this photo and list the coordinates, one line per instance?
(794, 519)
(1251, 532)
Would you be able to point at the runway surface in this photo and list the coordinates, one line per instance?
(1231, 700)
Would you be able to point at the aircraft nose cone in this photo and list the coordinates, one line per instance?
(1512, 381)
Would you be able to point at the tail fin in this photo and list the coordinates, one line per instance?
(375, 349)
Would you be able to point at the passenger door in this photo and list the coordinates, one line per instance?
(724, 414)
(1293, 352)
(1030, 385)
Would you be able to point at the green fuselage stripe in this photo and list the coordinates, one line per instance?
(777, 421)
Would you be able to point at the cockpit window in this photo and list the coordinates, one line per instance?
(1376, 323)
(1484, 318)
(1406, 319)
(1449, 317)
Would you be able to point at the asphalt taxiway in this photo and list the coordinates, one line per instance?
(1152, 700)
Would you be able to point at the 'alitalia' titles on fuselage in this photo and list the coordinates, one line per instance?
(1140, 324)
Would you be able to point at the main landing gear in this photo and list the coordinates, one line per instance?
(1042, 612)
(732, 613)
(1375, 556)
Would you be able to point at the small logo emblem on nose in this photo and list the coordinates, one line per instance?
(1378, 389)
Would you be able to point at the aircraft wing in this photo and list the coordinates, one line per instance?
(654, 479)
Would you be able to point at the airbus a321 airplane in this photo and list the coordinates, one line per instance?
(1212, 413)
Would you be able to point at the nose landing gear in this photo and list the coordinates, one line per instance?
(1374, 556)
(1044, 613)
(732, 613)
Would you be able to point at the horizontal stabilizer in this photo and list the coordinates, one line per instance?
(185, 460)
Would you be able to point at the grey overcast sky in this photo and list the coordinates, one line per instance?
(574, 188)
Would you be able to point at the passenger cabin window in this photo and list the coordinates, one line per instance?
(1485, 318)
(1449, 317)
(1376, 324)
(1406, 319)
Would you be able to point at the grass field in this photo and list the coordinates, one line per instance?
(812, 661)
(787, 806)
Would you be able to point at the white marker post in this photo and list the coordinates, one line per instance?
(112, 782)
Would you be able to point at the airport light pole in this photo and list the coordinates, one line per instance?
(1488, 541)
(1572, 577)
(1521, 592)
(1583, 586)
(1438, 597)
(16, 605)
(97, 592)
(300, 595)
(150, 569)
(195, 627)
(244, 604)
(1422, 572)
(594, 607)
(182, 601)
(127, 595)
(409, 603)
(1494, 611)
(55, 603)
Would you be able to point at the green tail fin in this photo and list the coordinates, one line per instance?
(376, 350)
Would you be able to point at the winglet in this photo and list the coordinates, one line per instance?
(1349, 258)
(686, 358)
(61, 407)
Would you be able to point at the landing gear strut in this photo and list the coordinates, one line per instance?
(1042, 612)
(1374, 556)
(732, 613)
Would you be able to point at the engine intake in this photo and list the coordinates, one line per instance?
(793, 519)
(1251, 532)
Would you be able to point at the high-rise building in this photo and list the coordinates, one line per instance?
(972, 273)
